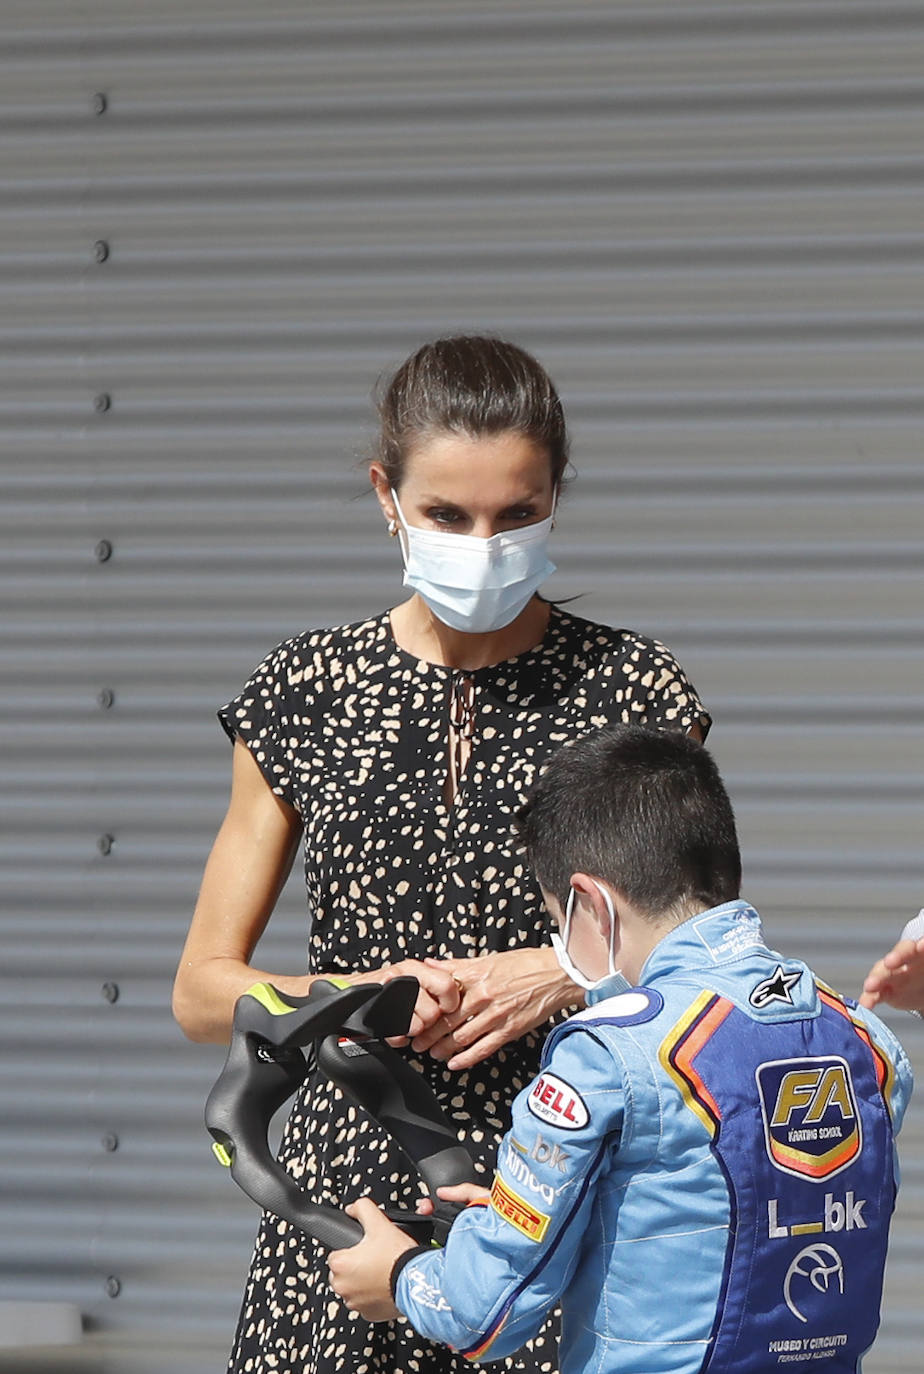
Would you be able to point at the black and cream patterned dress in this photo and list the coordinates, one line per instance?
(353, 732)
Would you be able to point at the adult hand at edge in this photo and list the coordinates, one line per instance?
(897, 978)
(504, 995)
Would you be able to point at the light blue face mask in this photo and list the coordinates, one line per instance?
(472, 584)
(560, 946)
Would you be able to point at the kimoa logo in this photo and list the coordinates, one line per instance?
(523, 1174)
(544, 1152)
(555, 1101)
(838, 1216)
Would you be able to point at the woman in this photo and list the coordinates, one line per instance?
(400, 748)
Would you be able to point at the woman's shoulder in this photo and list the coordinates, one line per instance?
(319, 653)
(610, 640)
(637, 671)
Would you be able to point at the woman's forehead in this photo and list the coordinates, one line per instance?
(460, 465)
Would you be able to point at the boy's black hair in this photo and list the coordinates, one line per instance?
(644, 810)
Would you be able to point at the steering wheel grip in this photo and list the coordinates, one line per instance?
(400, 1099)
(265, 1066)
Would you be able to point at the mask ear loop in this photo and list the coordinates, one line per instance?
(611, 953)
(399, 527)
(569, 912)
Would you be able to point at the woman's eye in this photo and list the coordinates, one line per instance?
(440, 516)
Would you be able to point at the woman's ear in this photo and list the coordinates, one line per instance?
(379, 479)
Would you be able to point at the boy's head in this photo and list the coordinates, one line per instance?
(643, 811)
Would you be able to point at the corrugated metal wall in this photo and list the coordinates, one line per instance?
(218, 223)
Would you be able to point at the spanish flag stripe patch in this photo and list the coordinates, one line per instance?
(682, 1044)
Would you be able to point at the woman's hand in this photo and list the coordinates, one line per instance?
(439, 995)
(897, 978)
(504, 995)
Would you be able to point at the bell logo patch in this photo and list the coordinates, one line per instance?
(554, 1101)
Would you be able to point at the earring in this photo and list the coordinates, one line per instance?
(392, 528)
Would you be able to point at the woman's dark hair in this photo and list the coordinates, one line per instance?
(645, 810)
(469, 385)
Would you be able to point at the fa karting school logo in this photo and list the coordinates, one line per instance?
(811, 1122)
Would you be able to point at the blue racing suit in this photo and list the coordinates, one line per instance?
(703, 1174)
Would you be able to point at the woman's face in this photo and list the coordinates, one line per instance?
(466, 485)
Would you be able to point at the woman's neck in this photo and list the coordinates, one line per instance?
(417, 631)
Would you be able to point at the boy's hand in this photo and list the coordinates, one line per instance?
(457, 1192)
(361, 1274)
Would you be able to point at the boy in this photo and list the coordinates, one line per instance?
(703, 1173)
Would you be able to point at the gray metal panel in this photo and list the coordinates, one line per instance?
(705, 218)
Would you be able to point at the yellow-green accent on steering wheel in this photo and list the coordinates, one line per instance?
(268, 997)
(221, 1154)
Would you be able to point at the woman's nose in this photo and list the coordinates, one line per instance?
(484, 528)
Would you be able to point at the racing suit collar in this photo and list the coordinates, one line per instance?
(717, 936)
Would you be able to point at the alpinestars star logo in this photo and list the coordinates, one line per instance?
(777, 988)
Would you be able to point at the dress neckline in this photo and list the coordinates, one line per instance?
(550, 637)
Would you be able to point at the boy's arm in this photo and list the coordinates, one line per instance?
(507, 1262)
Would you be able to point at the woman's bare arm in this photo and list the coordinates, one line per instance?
(246, 870)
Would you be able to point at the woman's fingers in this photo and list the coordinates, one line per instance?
(438, 992)
(445, 1032)
(440, 982)
(482, 1048)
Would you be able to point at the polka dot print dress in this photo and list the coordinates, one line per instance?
(353, 732)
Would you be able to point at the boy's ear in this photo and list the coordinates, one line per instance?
(583, 884)
(590, 897)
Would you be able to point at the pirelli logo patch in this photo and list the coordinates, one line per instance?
(518, 1211)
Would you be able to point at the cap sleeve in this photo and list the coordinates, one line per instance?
(670, 700)
(260, 716)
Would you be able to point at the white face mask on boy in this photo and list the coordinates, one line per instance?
(472, 584)
(560, 946)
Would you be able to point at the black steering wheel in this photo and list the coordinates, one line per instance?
(265, 1066)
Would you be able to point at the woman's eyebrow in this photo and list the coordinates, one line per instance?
(528, 494)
